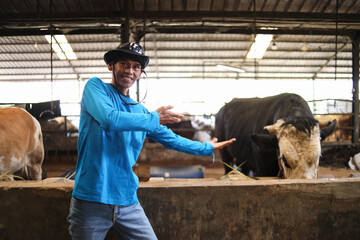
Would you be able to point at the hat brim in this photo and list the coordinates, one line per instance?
(125, 53)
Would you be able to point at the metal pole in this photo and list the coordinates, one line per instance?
(355, 70)
(51, 54)
(125, 28)
(138, 90)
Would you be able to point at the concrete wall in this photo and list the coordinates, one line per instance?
(203, 209)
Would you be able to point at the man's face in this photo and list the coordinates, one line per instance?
(127, 72)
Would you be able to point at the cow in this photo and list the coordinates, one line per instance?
(54, 127)
(21, 142)
(203, 126)
(198, 128)
(183, 128)
(343, 131)
(272, 134)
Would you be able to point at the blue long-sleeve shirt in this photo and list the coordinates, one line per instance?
(111, 136)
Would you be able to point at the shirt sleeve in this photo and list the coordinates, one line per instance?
(99, 105)
(170, 140)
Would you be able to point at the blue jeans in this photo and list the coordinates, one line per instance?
(92, 220)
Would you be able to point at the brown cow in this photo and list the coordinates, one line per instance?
(21, 142)
(343, 132)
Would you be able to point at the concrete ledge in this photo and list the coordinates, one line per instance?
(202, 209)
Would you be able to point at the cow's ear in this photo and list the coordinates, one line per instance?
(274, 127)
(326, 131)
(264, 140)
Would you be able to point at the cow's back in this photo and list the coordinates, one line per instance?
(20, 138)
(244, 116)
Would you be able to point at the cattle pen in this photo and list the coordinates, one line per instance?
(204, 208)
(209, 207)
(293, 172)
(201, 209)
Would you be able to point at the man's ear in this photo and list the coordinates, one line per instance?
(141, 74)
(110, 66)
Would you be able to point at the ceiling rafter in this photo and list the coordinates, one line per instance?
(288, 5)
(350, 6)
(80, 18)
(275, 5)
(301, 6)
(263, 5)
(184, 49)
(340, 3)
(326, 5)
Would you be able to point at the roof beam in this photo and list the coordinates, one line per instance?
(239, 30)
(181, 29)
(184, 49)
(107, 16)
(181, 66)
(210, 58)
(165, 40)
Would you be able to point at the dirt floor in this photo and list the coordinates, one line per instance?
(338, 156)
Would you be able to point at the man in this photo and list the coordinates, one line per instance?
(112, 131)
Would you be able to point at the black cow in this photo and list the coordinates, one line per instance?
(272, 133)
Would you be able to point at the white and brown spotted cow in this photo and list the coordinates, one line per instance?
(21, 142)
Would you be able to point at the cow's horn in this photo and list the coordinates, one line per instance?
(328, 130)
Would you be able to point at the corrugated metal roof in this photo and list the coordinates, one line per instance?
(184, 39)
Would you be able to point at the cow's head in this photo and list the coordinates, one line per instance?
(298, 141)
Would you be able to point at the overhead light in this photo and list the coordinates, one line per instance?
(274, 46)
(70, 55)
(259, 46)
(56, 48)
(61, 47)
(66, 47)
(114, 25)
(230, 68)
(304, 47)
(61, 39)
(61, 55)
(269, 28)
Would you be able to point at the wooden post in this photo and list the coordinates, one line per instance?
(355, 70)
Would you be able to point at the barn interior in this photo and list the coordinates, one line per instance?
(200, 60)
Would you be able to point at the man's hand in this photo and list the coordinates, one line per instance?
(167, 116)
(219, 145)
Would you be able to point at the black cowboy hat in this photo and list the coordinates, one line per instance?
(130, 50)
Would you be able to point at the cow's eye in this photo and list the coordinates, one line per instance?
(285, 161)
